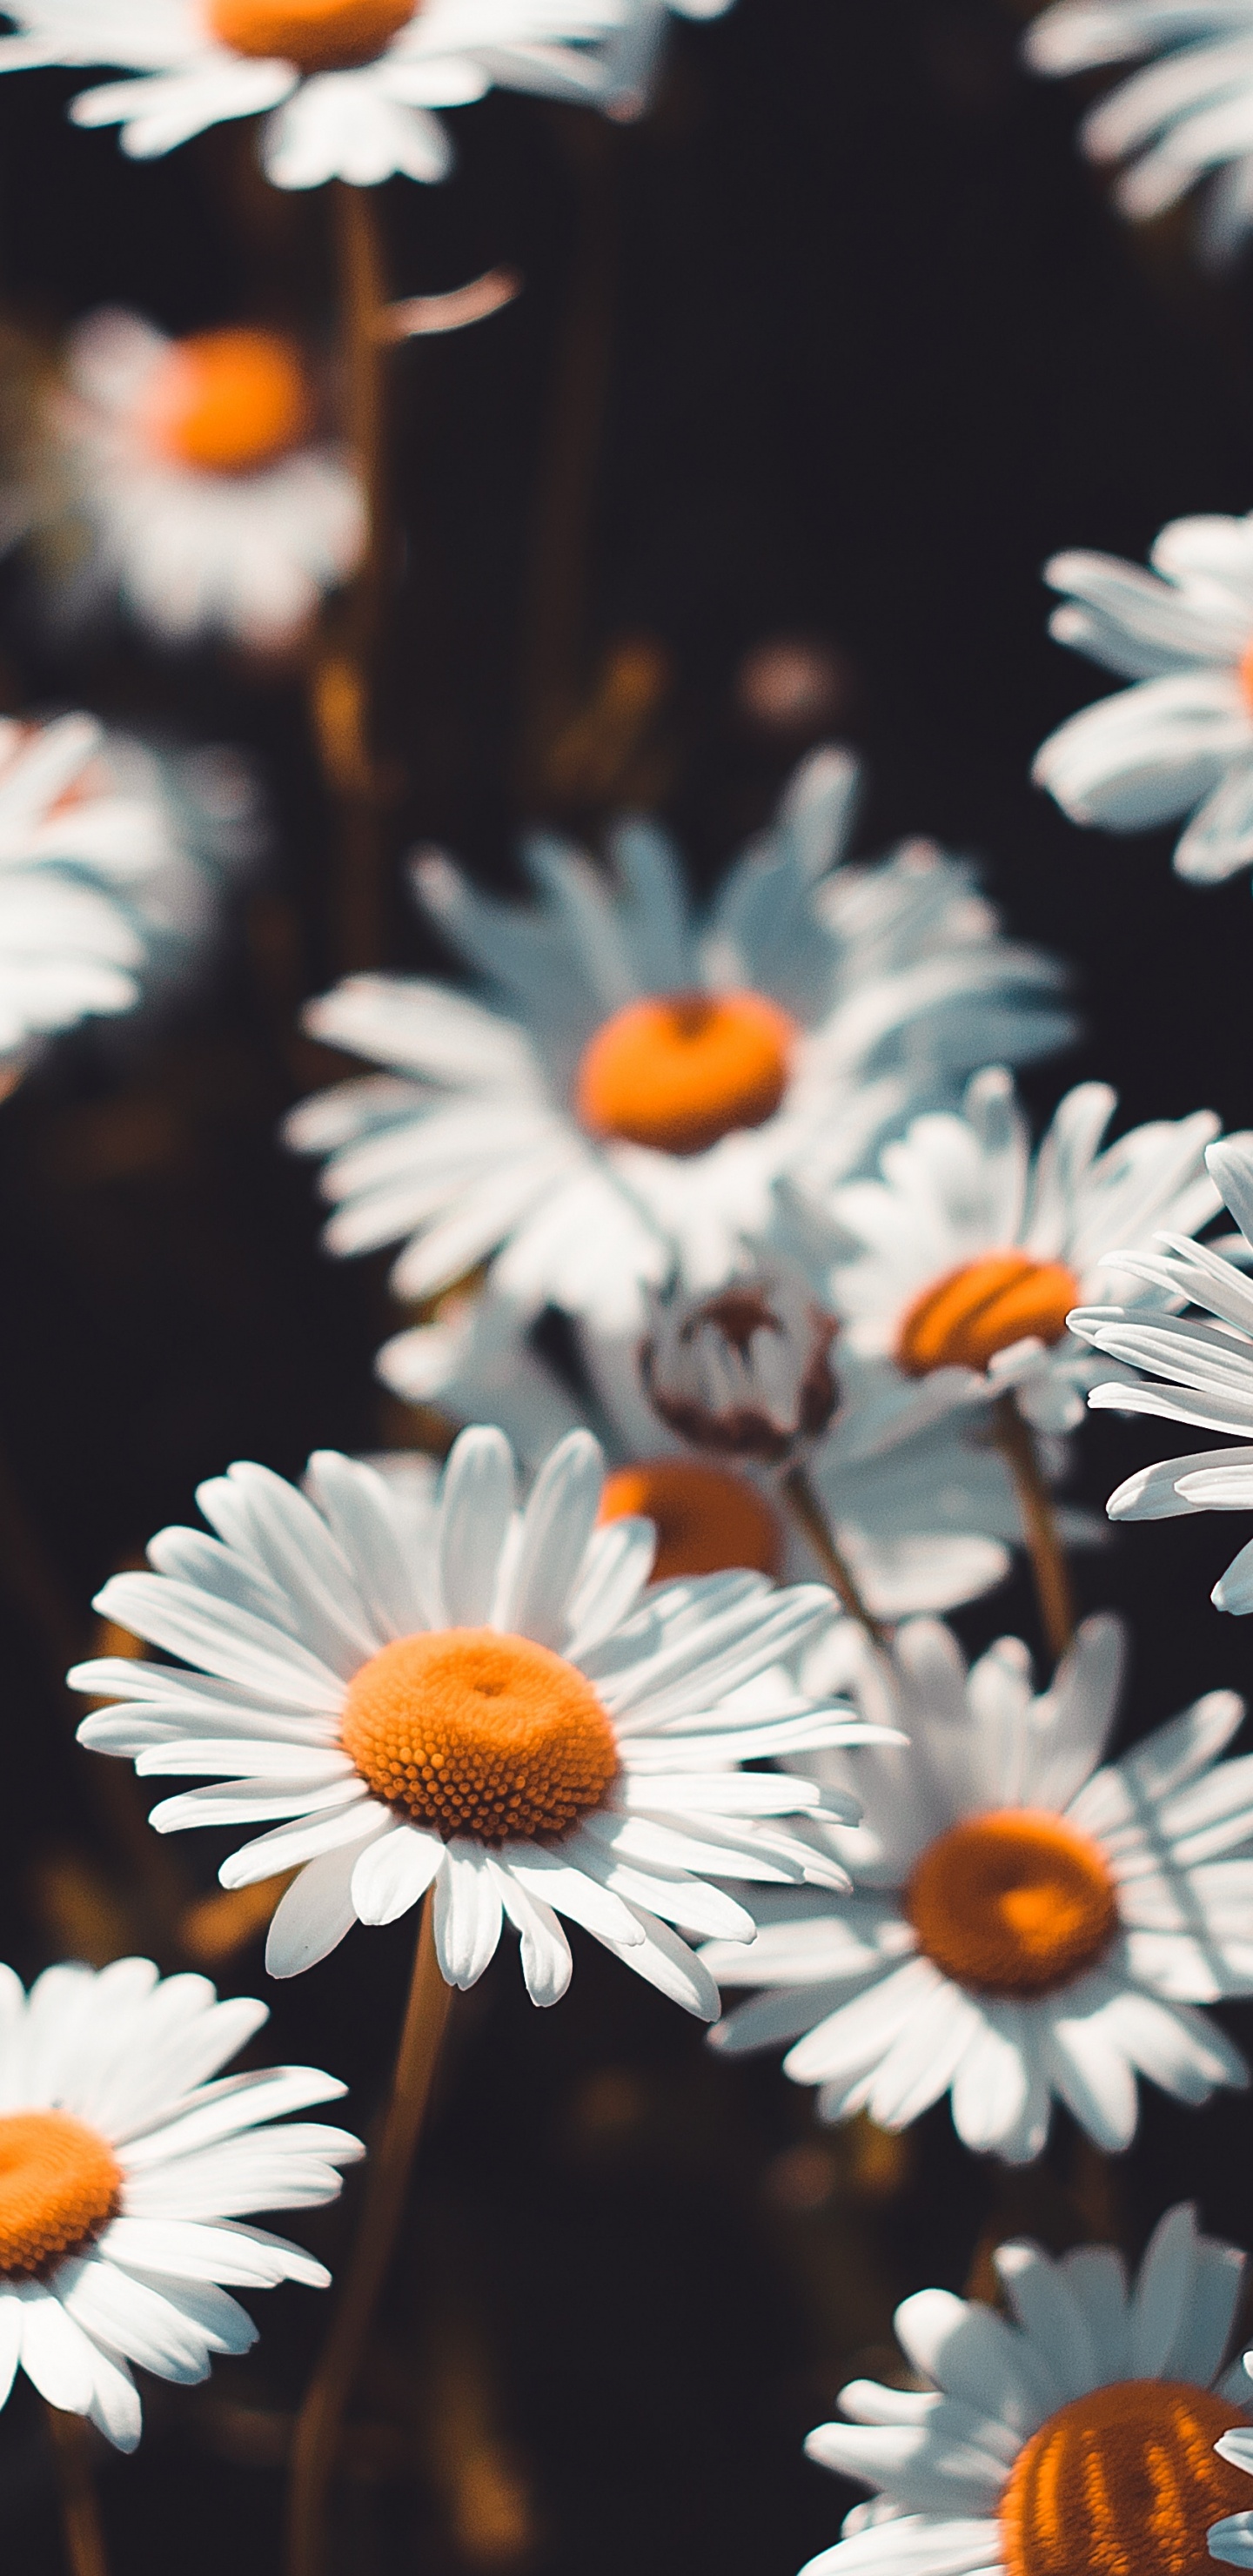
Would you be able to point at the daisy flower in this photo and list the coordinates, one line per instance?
(635, 1081)
(1180, 741)
(1232, 2539)
(632, 54)
(970, 1249)
(1082, 2430)
(351, 83)
(1206, 1370)
(490, 1709)
(193, 469)
(128, 2165)
(1024, 1923)
(1187, 116)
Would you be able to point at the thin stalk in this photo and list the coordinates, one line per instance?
(315, 2443)
(83, 2533)
(1051, 1574)
(346, 670)
(807, 1512)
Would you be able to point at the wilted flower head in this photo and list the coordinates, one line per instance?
(745, 1371)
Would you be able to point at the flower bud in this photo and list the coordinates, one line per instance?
(745, 1371)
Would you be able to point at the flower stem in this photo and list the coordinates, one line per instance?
(316, 2439)
(809, 1516)
(1016, 1442)
(85, 2553)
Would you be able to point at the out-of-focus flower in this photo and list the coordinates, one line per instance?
(637, 1083)
(183, 478)
(127, 2169)
(633, 52)
(1187, 116)
(746, 1370)
(1180, 742)
(352, 82)
(493, 1712)
(1206, 1369)
(1024, 1923)
(972, 1249)
(1078, 2431)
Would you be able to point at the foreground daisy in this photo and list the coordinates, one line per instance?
(1187, 116)
(493, 1712)
(1079, 2431)
(127, 2166)
(1232, 2539)
(193, 467)
(352, 83)
(1205, 1369)
(637, 1081)
(970, 1249)
(1180, 742)
(1024, 1924)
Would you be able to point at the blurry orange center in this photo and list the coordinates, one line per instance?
(1124, 2482)
(228, 401)
(681, 1070)
(1012, 1903)
(59, 2185)
(1245, 676)
(471, 1732)
(706, 1519)
(316, 35)
(964, 1319)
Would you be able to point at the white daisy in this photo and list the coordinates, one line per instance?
(494, 1712)
(1188, 116)
(352, 83)
(128, 2165)
(191, 470)
(644, 1080)
(1079, 2431)
(632, 54)
(970, 1249)
(1207, 1369)
(1231, 2540)
(1024, 1924)
(1180, 742)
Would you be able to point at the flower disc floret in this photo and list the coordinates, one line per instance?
(60, 2185)
(1013, 1903)
(1125, 2477)
(471, 1732)
(228, 401)
(315, 35)
(965, 1318)
(706, 1519)
(681, 1071)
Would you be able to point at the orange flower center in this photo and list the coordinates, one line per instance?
(964, 1319)
(228, 401)
(706, 1518)
(59, 2185)
(680, 1070)
(474, 1733)
(1012, 1903)
(1124, 2482)
(315, 35)
(1244, 673)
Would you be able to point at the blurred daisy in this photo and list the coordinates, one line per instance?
(127, 2166)
(1024, 1924)
(352, 83)
(971, 1250)
(494, 1713)
(633, 52)
(1079, 2431)
(635, 1082)
(1207, 1369)
(192, 471)
(1180, 742)
(1187, 116)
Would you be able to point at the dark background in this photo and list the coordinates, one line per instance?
(842, 343)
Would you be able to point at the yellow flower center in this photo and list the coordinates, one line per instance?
(59, 2185)
(1124, 2482)
(706, 1518)
(964, 1319)
(228, 401)
(471, 1732)
(1012, 1903)
(681, 1070)
(315, 35)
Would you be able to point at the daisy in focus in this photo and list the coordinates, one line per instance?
(350, 84)
(1179, 742)
(971, 1249)
(1085, 2429)
(1024, 1923)
(635, 1081)
(128, 2170)
(1204, 1369)
(1231, 2540)
(1187, 116)
(475, 1700)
